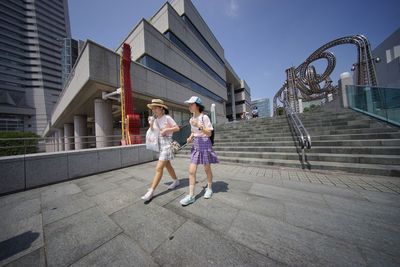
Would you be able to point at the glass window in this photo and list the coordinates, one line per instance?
(202, 39)
(178, 42)
(179, 78)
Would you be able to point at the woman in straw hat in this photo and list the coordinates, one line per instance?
(202, 152)
(167, 126)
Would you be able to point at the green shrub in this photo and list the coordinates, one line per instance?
(13, 146)
(280, 111)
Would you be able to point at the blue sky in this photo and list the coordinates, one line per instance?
(261, 38)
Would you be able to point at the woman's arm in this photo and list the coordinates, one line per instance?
(206, 131)
(190, 138)
(207, 126)
(173, 129)
(151, 122)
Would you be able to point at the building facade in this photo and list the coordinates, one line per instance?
(31, 32)
(174, 56)
(264, 107)
(388, 69)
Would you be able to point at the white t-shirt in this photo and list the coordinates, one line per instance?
(165, 121)
(204, 121)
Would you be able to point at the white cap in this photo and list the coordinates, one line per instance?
(194, 99)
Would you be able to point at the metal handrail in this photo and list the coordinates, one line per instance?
(302, 134)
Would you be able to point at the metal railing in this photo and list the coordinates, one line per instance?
(32, 145)
(302, 135)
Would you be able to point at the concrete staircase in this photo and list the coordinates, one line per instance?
(341, 141)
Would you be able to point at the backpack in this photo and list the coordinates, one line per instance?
(212, 132)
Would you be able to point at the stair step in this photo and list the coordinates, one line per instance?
(328, 149)
(370, 169)
(314, 157)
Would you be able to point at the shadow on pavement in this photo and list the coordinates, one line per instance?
(16, 244)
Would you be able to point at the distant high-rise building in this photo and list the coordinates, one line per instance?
(264, 107)
(31, 35)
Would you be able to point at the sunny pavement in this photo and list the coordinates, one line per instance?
(257, 217)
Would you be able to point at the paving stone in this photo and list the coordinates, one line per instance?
(132, 184)
(375, 211)
(20, 238)
(250, 216)
(65, 206)
(359, 231)
(378, 258)
(163, 196)
(99, 188)
(21, 196)
(115, 199)
(71, 238)
(17, 211)
(35, 258)
(194, 245)
(321, 189)
(120, 176)
(229, 185)
(211, 212)
(119, 251)
(382, 198)
(148, 225)
(88, 179)
(290, 244)
(285, 194)
(59, 190)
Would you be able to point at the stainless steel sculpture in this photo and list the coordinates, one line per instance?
(305, 82)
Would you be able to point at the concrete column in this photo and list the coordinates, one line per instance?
(301, 109)
(56, 140)
(103, 122)
(51, 144)
(68, 134)
(345, 79)
(233, 102)
(213, 114)
(80, 131)
(61, 139)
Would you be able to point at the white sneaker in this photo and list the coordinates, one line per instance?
(208, 193)
(188, 199)
(174, 184)
(148, 195)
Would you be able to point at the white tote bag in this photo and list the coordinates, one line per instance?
(152, 140)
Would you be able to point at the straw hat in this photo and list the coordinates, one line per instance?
(157, 103)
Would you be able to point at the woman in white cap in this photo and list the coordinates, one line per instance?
(167, 127)
(202, 152)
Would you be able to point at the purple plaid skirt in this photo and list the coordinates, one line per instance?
(202, 152)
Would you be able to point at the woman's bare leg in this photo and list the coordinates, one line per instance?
(159, 172)
(207, 169)
(192, 178)
(171, 170)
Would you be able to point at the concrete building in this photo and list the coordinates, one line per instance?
(174, 56)
(239, 96)
(388, 69)
(30, 61)
(264, 107)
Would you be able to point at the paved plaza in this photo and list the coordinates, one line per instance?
(257, 217)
